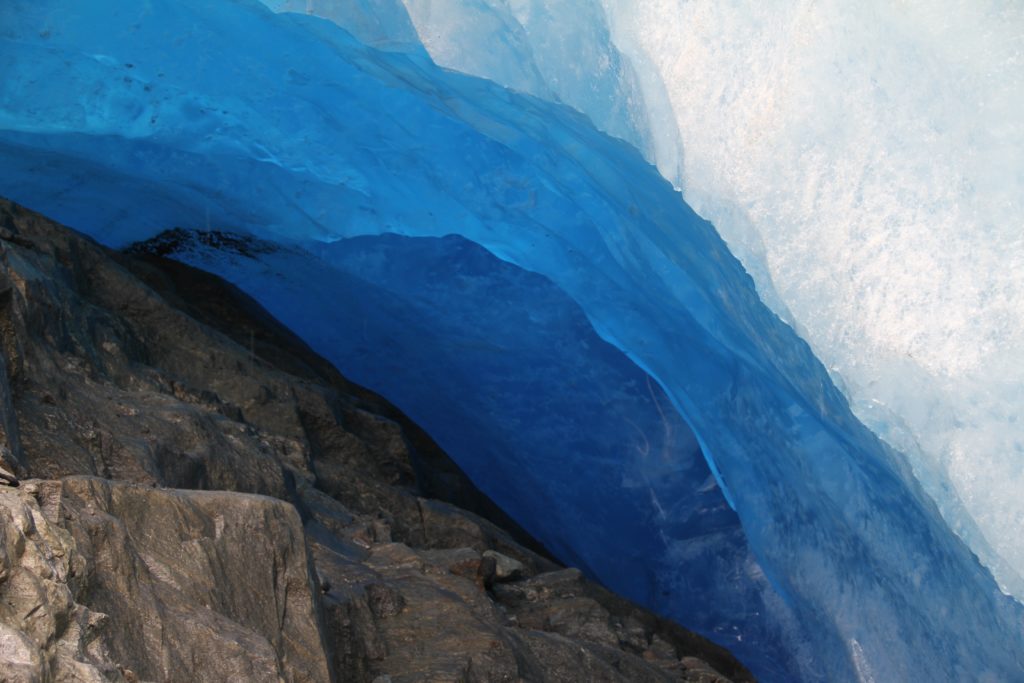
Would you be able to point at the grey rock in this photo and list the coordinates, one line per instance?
(45, 632)
(505, 568)
(7, 477)
(210, 581)
(384, 600)
(205, 499)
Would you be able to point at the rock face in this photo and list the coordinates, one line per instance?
(171, 580)
(204, 499)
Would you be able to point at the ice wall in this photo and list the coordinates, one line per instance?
(559, 50)
(865, 161)
(384, 24)
(125, 118)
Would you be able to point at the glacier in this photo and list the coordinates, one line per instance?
(863, 161)
(124, 119)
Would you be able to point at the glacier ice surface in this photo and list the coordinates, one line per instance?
(865, 162)
(124, 118)
(384, 24)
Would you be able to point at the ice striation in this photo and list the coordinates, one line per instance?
(125, 119)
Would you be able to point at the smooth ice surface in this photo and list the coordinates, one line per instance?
(560, 50)
(865, 161)
(384, 24)
(560, 428)
(125, 118)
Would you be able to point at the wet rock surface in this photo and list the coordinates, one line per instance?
(202, 498)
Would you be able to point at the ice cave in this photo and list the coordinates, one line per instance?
(722, 302)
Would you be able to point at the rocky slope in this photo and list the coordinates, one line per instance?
(202, 498)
